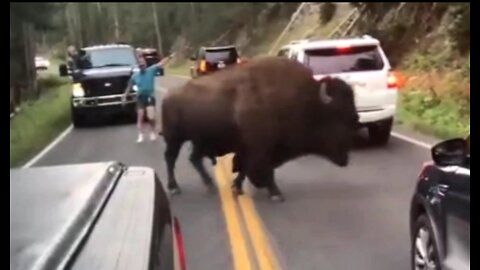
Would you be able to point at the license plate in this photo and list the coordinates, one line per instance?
(221, 65)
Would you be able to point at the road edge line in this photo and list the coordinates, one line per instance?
(49, 147)
(411, 140)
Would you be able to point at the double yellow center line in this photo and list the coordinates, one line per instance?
(243, 209)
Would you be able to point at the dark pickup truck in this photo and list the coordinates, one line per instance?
(100, 75)
(92, 216)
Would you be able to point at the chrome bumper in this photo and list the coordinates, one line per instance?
(110, 100)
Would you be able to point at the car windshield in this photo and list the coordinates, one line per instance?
(111, 57)
(338, 60)
(228, 55)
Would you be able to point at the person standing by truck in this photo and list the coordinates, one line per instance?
(143, 82)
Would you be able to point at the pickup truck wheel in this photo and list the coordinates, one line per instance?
(77, 120)
(132, 116)
(379, 133)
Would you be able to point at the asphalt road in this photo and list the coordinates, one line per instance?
(334, 218)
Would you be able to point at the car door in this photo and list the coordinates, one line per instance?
(457, 217)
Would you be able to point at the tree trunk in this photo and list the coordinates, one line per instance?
(116, 23)
(157, 29)
(29, 52)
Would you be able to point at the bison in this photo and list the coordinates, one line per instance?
(267, 112)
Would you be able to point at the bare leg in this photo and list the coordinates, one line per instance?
(140, 116)
(150, 111)
(197, 162)
(171, 155)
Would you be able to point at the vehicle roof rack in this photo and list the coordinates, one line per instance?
(299, 41)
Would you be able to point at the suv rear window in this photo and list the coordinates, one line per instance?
(338, 60)
(228, 56)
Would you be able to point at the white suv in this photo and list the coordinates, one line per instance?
(362, 63)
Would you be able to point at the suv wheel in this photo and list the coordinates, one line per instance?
(379, 132)
(424, 253)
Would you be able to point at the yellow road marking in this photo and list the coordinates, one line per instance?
(265, 256)
(237, 241)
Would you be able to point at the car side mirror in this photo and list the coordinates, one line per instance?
(450, 152)
(63, 70)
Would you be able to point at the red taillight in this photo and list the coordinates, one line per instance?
(344, 48)
(392, 81)
(180, 246)
(239, 61)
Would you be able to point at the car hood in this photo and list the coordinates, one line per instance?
(73, 214)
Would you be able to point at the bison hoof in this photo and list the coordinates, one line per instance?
(175, 191)
(277, 198)
(237, 191)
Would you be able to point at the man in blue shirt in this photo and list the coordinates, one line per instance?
(143, 82)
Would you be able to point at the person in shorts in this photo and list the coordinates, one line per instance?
(143, 82)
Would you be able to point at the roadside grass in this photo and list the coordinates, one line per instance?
(444, 116)
(436, 97)
(182, 68)
(40, 121)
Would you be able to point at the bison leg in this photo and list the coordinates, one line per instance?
(274, 192)
(263, 173)
(196, 159)
(171, 155)
(237, 185)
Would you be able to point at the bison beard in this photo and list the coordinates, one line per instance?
(267, 112)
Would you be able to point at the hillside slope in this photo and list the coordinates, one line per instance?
(434, 58)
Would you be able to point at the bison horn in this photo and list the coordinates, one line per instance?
(324, 97)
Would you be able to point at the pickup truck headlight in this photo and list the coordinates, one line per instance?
(77, 90)
(135, 88)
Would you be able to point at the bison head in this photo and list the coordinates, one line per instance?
(337, 121)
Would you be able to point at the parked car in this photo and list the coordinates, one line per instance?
(440, 209)
(362, 63)
(211, 59)
(41, 63)
(100, 75)
(92, 216)
(152, 57)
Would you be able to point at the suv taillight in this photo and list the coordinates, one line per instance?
(180, 246)
(392, 81)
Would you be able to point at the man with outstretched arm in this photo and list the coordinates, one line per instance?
(143, 82)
